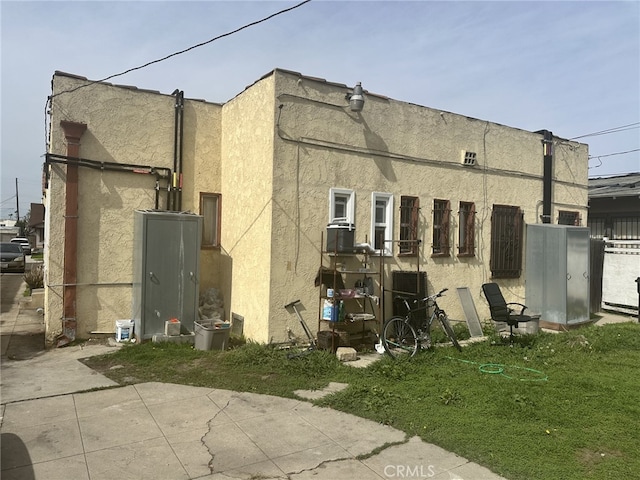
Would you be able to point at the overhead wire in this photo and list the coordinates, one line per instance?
(622, 128)
(166, 57)
(613, 154)
(7, 199)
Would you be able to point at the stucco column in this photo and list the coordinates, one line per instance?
(72, 133)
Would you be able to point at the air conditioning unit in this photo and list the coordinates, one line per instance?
(469, 159)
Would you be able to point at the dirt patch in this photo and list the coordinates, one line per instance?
(590, 458)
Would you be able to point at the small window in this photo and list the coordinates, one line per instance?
(210, 211)
(341, 205)
(382, 222)
(441, 213)
(409, 209)
(466, 229)
(507, 226)
(568, 218)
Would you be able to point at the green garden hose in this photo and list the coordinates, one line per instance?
(498, 369)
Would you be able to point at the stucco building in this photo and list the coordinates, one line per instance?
(268, 170)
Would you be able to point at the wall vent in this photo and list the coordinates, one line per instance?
(469, 159)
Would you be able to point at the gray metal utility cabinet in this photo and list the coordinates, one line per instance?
(166, 260)
(557, 274)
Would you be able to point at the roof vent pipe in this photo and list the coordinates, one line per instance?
(547, 175)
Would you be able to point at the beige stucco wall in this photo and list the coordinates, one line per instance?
(403, 149)
(124, 126)
(273, 152)
(247, 204)
(202, 170)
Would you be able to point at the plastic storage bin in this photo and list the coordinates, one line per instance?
(210, 335)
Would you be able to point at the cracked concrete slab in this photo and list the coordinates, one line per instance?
(165, 431)
(53, 428)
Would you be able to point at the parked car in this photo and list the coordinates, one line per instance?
(24, 243)
(11, 257)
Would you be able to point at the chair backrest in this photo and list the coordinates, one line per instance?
(497, 303)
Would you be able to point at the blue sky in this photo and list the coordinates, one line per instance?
(569, 67)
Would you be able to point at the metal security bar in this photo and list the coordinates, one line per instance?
(507, 224)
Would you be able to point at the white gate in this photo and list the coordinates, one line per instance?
(620, 270)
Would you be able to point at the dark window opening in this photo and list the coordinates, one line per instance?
(507, 225)
(568, 218)
(409, 208)
(466, 229)
(441, 213)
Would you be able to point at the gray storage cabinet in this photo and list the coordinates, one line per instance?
(166, 260)
(557, 273)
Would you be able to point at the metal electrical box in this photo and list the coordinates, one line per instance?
(166, 259)
(557, 273)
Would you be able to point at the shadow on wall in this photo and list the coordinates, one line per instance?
(376, 143)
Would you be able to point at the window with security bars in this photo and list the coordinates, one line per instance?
(568, 218)
(441, 213)
(466, 229)
(615, 227)
(507, 226)
(409, 209)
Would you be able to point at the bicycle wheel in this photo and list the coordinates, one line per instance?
(444, 321)
(399, 338)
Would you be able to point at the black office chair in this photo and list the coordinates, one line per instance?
(501, 310)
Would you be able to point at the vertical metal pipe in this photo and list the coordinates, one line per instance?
(172, 179)
(547, 175)
(181, 138)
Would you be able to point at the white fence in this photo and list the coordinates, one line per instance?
(620, 270)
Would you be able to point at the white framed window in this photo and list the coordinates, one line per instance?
(382, 222)
(342, 205)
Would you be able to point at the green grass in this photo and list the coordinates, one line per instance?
(553, 406)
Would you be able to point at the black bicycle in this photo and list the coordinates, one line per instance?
(405, 335)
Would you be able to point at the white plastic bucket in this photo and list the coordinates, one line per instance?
(124, 330)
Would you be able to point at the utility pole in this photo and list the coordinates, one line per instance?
(17, 202)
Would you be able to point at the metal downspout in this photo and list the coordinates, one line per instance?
(171, 204)
(181, 95)
(72, 133)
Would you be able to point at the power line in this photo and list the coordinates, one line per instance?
(7, 199)
(185, 50)
(623, 128)
(613, 154)
(46, 107)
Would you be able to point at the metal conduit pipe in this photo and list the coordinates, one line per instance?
(175, 203)
(159, 172)
(547, 174)
(181, 94)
